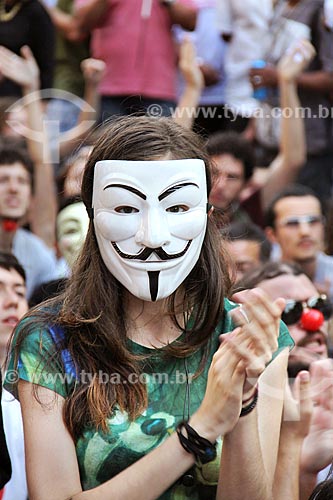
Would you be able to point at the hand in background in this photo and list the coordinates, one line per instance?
(297, 408)
(296, 60)
(22, 70)
(317, 451)
(189, 66)
(93, 71)
(291, 64)
(264, 77)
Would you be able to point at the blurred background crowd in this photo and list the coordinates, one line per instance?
(255, 79)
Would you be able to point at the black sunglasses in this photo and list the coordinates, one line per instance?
(293, 311)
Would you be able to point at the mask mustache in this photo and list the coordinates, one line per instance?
(147, 252)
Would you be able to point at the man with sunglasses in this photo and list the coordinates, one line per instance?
(294, 220)
(306, 312)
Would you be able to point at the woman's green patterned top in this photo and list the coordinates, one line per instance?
(103, 455)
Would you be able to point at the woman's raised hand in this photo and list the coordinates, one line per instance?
(239, 361)
(259, 319)
(222, 403)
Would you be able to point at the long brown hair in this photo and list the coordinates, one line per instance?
(91, 310)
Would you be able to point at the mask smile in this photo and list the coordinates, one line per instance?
(147, 252)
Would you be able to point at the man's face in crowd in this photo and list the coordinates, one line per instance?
(312, 345)
(15, 190)
(13, 303)
(245, 254)
(228, 180)
(299, 228)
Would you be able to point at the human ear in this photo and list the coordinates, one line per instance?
(270, 233)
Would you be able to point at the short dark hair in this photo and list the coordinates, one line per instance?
(47, 290)
(323, 490)
(268, 271)
(241, 230)
(234, 144)
(10, 155)
(66, 165)
(293, 190)
(8, 261)
(69, 200)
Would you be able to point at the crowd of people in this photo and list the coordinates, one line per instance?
(166, 265)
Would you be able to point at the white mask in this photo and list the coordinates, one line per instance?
(144, 205)
(72, 228)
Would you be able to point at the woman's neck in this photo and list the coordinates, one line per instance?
(149, 323)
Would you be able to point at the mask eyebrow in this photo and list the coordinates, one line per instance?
(172, 189)
(72, 219)
(129, 188)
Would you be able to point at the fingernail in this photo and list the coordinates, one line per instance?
(304, 376)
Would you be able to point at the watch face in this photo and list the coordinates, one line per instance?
(150, 221)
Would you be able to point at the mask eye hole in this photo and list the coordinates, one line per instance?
(176, 209)
(126, 209)
(70, 231)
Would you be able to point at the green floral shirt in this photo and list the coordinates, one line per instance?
(103, 455)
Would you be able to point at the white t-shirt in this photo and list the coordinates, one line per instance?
(38, 260)
(16, 488)
(247, 21)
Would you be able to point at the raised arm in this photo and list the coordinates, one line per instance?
(317, 449)
(93, 71)
(181, 14)
(184, 113)
(297, 411)
(66, 23)
(89, 14)
(24, 71)
(292, 154)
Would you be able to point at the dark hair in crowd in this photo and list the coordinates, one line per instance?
(47, 290)
(8, 261)
(294, 190)
(69, 200)
(92, 311)
(268, 271)
(234, 144)
(241, 230)
(10, 155)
